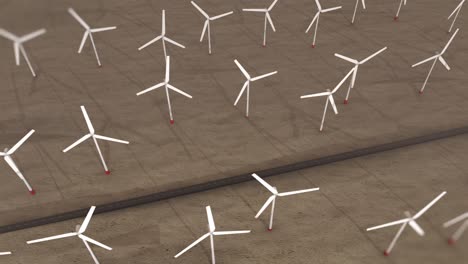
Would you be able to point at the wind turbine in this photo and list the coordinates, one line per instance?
(272, 199)
(267, 17)
(317, 17)
(247, 85)
(402, 2)
(329, 95)
(167, 86)
(435, 58)
(207, 23)
(88, 33)
(456, 12)
(162, 37)
(5, 253)
(95, 137)
(211, 233)
(79, 232)
(363, 2)
(460, 230)
(356, 67)
(18, 45)
(7, 156)
(409, 220)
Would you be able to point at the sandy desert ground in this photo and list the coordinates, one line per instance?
(211, 138)
(327, 226)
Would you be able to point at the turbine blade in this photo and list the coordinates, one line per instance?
(78, 18)
(342, 81)
(222, 15)
(331, 9)
(263, 76)
(270, 21)
(83, 41)
(111, 139)
(242, 70)
(416, 227)
(364, 3)
(332, 101)
(222, 233)
(95, 30)
(388, 224)
(272, 5)
(298, 192)
(173, 42)
(442, 60)
(264, 183)
(192, 245)
(315, 95)
(373, 55)
(456, 220)
(346, 58)
(254, 10)
(449, 42)
(21, 142)
(52, 238)
(150, 42)
(265, 205)
(205, 26)
(200, 10)
(8, 35)
(5, 253)
(319, 6)
(85, 223)
(424, 61)
(16, 49)
(456, 9)
(32, 35)
(178, 91)
(429, 205)
(79, 141)
(163, 23)
(209, 215)
(313, 21)
(241, 92)
(90, 240)
(151, 88)
(88, 121)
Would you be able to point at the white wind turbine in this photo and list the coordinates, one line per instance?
(162, 37)
(167, 86)
(267, 17)
(211, 233)
(356, 67)
(460, 230)
(79, 232)
(456, 12)
(88, 33)
(5, 253)
(272, 199)
(409, 220)
(329, 95)
(317, 17)
(95, 137)
(206, 26)
(435, 58)
(18, 45)
(7, 156)
(402, 2)
(247, 85)
(363, 2)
